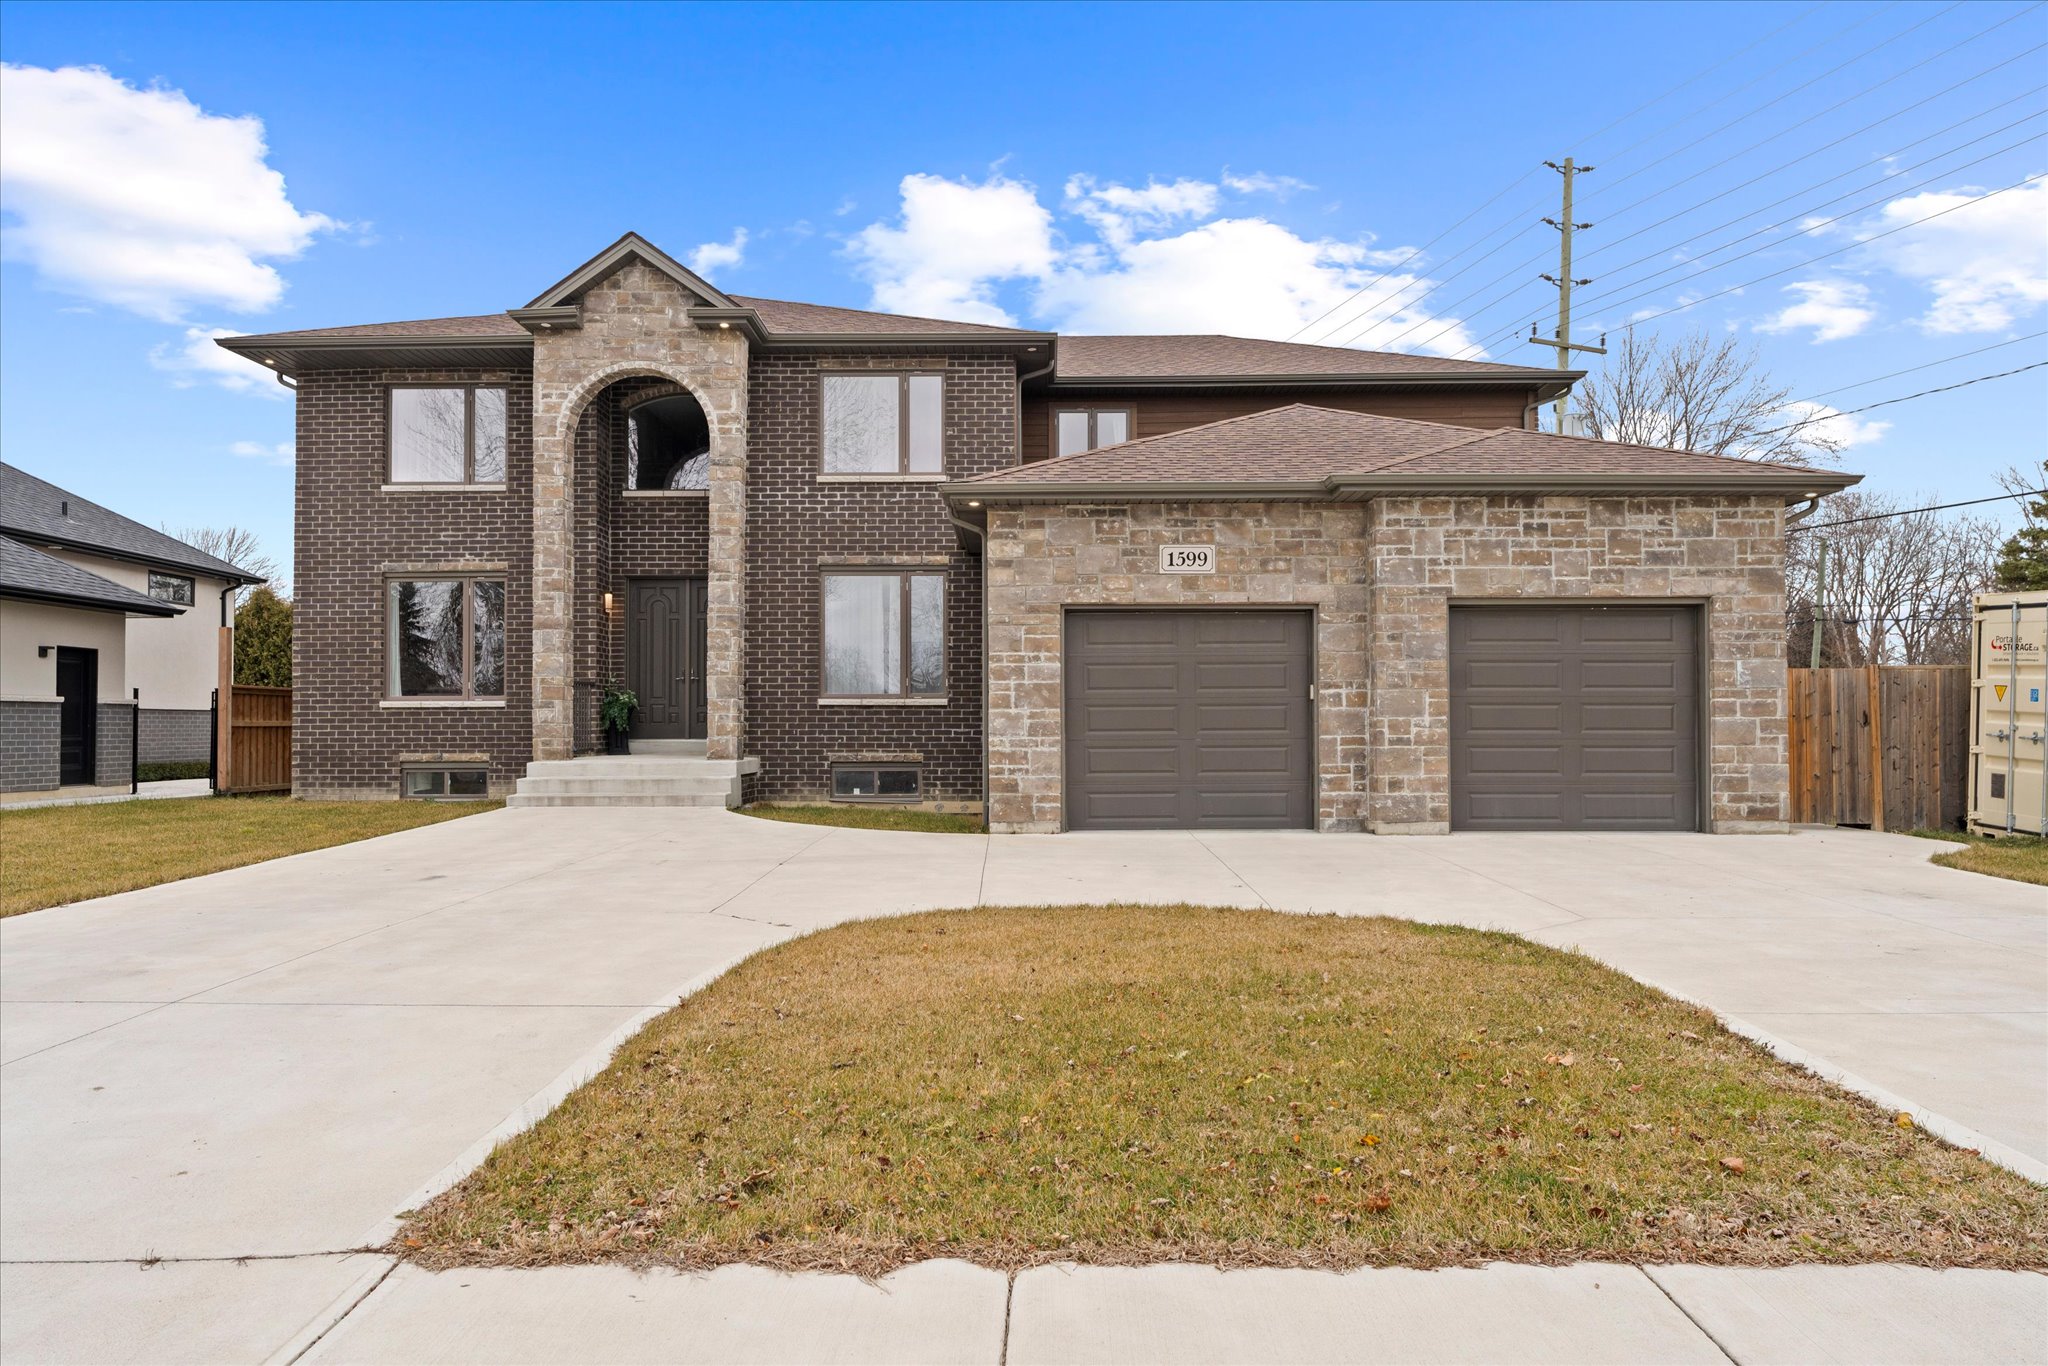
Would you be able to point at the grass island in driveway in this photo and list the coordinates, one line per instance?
(1144, 1084)
(55, 855)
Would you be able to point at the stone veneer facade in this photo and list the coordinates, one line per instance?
(1382, 577)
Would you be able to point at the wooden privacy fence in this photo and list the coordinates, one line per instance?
(1886, 747)
(255, 751)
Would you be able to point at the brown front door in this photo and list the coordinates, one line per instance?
(1190, 719)
(665, 657)
(1575, 718)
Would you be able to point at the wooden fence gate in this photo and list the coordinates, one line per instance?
(1885, 747)
(256, 753)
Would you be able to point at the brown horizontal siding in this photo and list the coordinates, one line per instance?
(1160, 413)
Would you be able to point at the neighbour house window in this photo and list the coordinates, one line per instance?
(447, 436)
(885, 635)
(464, 783)
(884, 424)
(1083, 429)
(877, 782)
(172, 588)
(447, 638)
(668, 445)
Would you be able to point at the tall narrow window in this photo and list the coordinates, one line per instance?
(884, 424)
(1083, 429)
(447, 436)
(885, 635)
(446, 638)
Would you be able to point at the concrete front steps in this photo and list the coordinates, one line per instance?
(656, 773)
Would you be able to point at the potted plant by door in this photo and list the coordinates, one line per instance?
(615, 714)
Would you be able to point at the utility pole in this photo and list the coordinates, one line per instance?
(1561, 340)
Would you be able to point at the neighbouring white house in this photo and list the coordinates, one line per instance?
(105, 625)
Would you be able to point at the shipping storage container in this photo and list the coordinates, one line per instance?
(2008, 720)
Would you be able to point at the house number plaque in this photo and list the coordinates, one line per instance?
(1187, 559)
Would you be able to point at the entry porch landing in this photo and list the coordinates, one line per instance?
(656, 773)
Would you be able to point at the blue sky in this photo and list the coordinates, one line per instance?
(1102, 168)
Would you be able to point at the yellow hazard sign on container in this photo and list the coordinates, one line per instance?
(1999, 688)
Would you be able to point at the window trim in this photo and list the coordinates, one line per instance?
(468, 482)
(468, 697)
(191, 588)
(905, 697)
(878, 769)
(1052, 426)
(902, 472)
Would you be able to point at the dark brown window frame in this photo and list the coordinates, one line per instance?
(903, 378)
(1053, 423)
(832, 790)
(904, 573)
(469, 479)
(469, 694)
(191, 587)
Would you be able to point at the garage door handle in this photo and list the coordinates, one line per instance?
(1311, 692)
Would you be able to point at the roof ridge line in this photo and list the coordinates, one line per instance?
(1472, 435)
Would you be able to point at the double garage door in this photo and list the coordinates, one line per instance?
(1562, 718)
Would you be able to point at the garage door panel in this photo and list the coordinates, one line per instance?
(1189, 719)
(1570, 717)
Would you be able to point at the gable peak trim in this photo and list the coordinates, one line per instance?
(632, 246)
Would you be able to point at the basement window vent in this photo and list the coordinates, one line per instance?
(464, 784)
(877, 782)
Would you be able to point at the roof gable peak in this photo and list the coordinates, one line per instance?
(630, 247)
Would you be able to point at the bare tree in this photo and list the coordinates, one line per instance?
(239, 547)
(1699, 394)
(1899, 587)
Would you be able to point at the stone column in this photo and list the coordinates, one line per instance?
(725, 626)
(554, 546)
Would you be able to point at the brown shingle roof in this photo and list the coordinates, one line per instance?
(782, 315)
(1166, 357)
(1311, 447)
(480, 325)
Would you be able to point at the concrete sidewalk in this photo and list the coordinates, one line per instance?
(271, 1062)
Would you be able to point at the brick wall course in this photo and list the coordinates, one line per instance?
(29, 736)
(176, 735)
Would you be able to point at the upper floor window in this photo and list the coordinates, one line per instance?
(447, 637)
(173, 588)
(668, 445)
(884, 424)
(1083, 429)
(885, 634)
(453, 435)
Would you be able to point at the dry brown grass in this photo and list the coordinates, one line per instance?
(2019, 858)
(868, 817)
(53, 855)
(1140, 1084)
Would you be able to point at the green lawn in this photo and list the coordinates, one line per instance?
(1142, 1084)
(864, 817)
(59, 854)
(2021, 858)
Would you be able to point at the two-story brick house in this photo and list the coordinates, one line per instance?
(1080, 581)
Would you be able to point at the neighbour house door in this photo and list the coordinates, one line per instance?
(78, 684)
(665, 657)
(1190, 719)
(1575, 718)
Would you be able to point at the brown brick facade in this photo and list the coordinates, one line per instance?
(353, 535)
(799, 525)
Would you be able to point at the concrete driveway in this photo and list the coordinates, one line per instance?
(214, 1094)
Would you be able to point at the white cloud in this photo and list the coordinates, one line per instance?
(1986, 264)
(196, 360)
(713, 256)
(1149, 258)
(1834, 309)
(1258, 182)
(954, 243)
(1843, 430)
(280, 453)
(140, 198)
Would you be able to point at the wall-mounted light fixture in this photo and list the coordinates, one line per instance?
(43, 651)
(607, 603)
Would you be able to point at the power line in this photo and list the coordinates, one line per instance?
(1914, 512)
(1928, 365)
(1904, 398)
(1519, 180)
(1799, 265)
